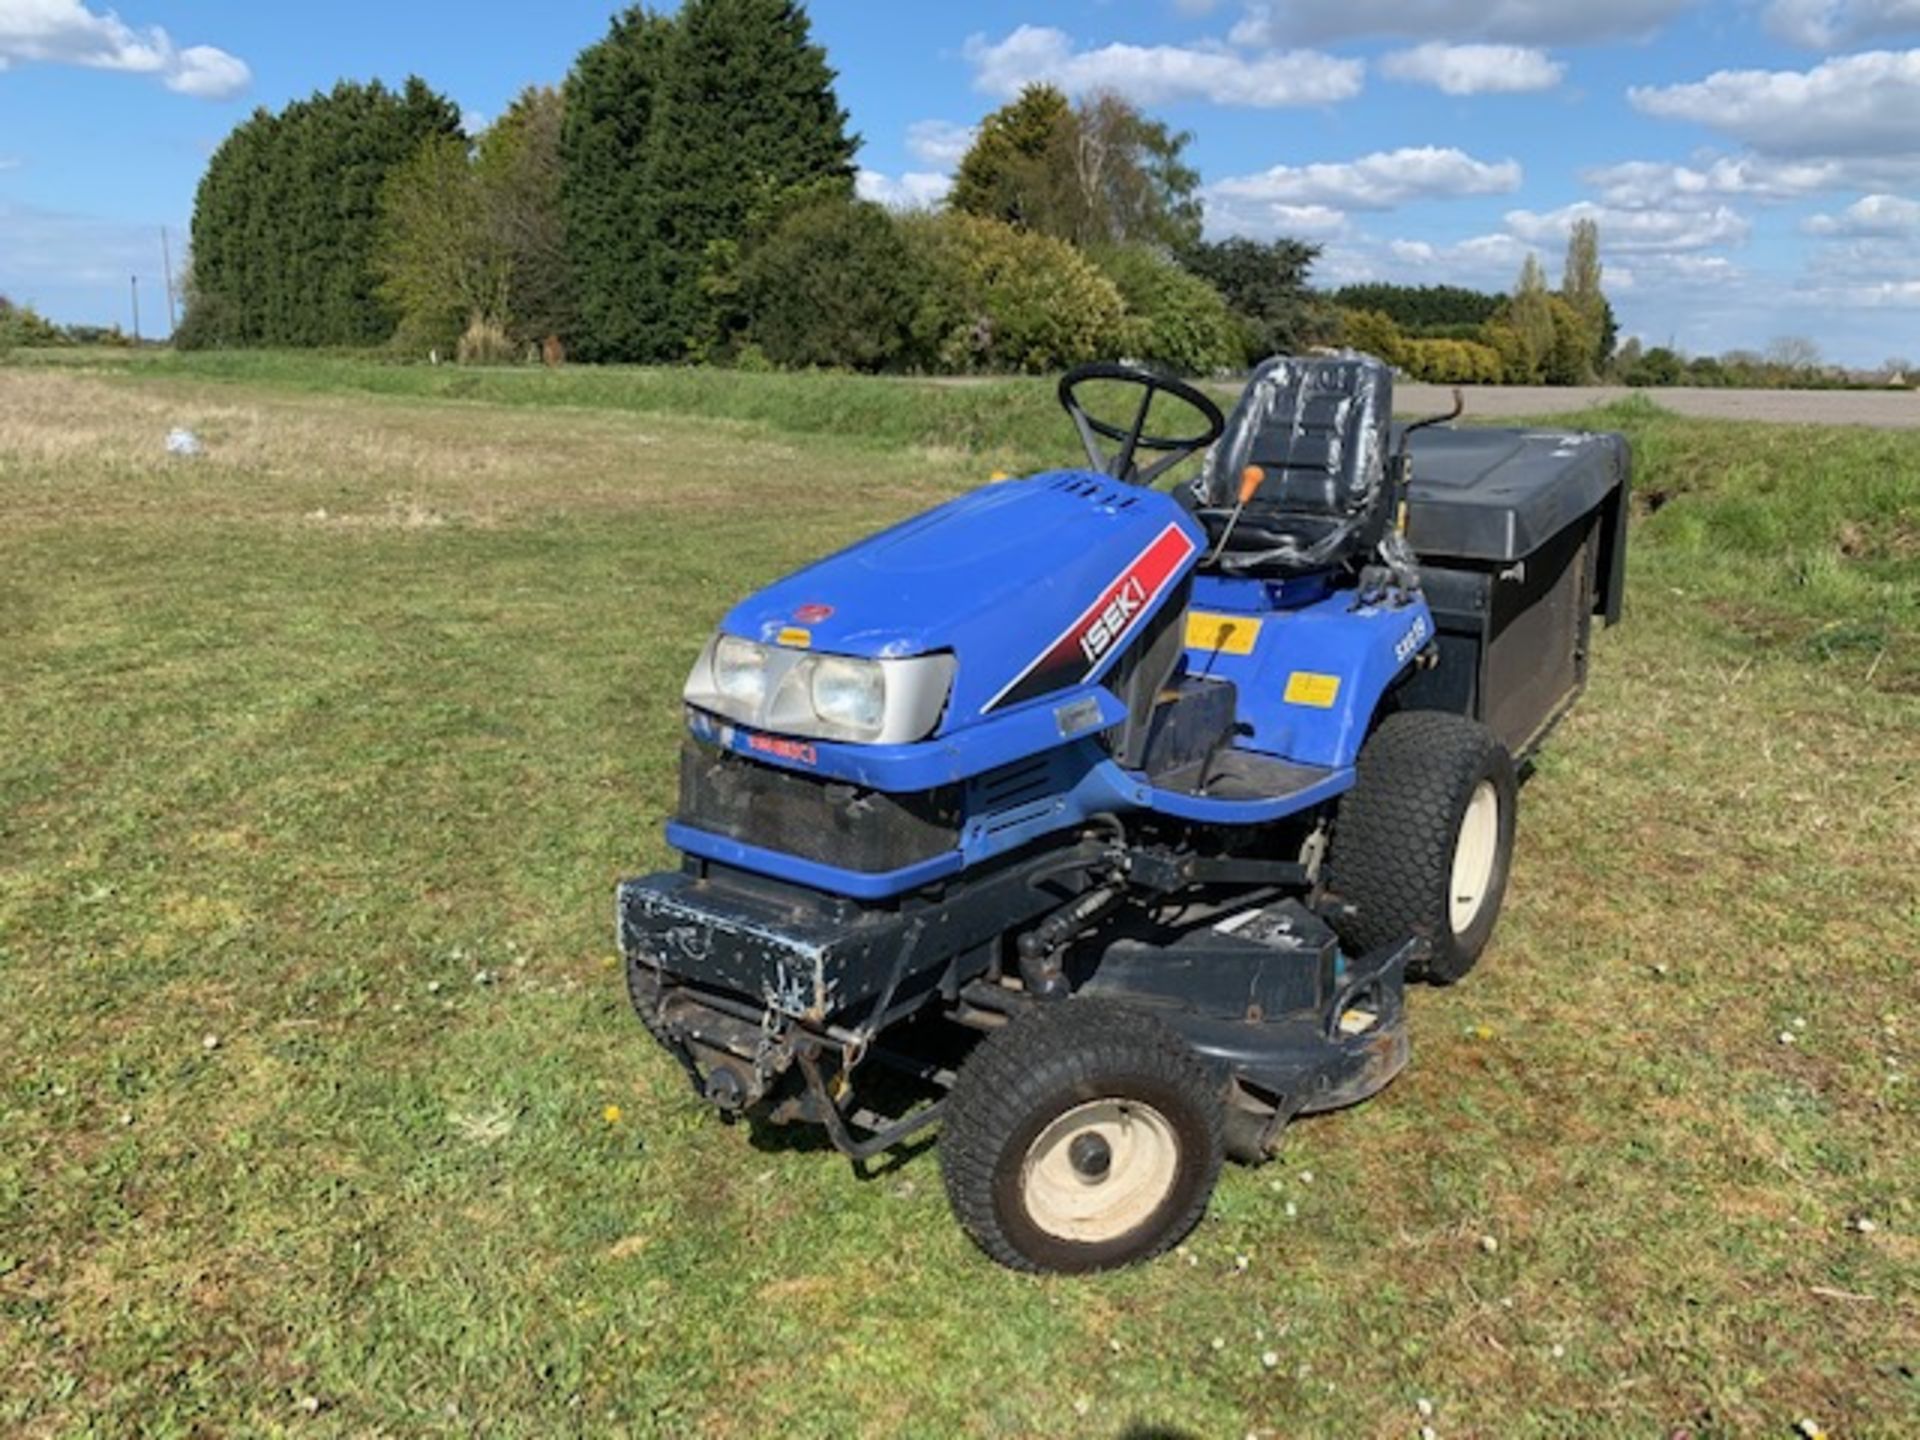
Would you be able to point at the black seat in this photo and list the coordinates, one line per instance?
(1319, 429)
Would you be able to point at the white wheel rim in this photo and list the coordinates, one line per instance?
(1099, 1170)
(1474, 854)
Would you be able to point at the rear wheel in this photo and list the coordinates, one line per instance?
(1083, 1136)
(1423, 842)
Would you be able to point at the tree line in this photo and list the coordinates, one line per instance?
(1534, 336)
(687, 195)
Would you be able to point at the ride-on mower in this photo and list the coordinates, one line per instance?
(1104, 826)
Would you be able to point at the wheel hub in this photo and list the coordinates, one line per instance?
(1091, 1156)
(1475, 852)
(1100, 1170)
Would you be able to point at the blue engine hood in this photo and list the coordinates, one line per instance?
(1033, 585)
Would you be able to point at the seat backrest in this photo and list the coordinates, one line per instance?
(1318, 427)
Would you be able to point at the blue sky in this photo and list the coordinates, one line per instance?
(1754, 164)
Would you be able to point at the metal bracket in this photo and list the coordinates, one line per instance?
(838, 1131)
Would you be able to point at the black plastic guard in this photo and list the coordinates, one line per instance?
(1342, 1040)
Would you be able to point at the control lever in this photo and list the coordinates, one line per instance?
(1251, 479)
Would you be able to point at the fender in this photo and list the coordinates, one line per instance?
(1309, 679)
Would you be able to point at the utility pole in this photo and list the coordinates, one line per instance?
(166, 259)
(136, 308)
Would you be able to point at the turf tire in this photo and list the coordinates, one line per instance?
(1395, 836)
(1044, 1065)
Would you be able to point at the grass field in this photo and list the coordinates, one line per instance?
(322, 1113)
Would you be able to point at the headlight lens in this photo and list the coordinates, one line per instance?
(740, 670)
(852, 693)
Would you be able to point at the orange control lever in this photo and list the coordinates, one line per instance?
(1251, 479)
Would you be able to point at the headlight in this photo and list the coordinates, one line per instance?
(849, 693)
(740, 671)
(783, 690)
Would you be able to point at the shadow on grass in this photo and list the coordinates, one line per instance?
(805, 1139)
(771, 1139)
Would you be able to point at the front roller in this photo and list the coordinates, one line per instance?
(1084, 1135)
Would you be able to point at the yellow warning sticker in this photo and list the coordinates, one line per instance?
(1318, 692)
(1222, 634)
(794, 638)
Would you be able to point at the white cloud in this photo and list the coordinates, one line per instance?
(1635, 231)
(1659, 184)
(208, 74)
(1654, 271)
(1485, 262)
(1375, 182)
(1835, 24)
(1524, 22)
(54, 249)
(1272, 219)
(472, 121)
(66, 32)
(1887, 216)
(912, 191)
(1161, 74)
(1475, 69)
(1871, 295)
(1313, 201)
(1869, 270)
(1492, 262)
(1854, 105)
(939, 142)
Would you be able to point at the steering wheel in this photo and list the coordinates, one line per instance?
(1120, 465)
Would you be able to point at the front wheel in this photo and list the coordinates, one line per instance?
(1423, 842)
(1083, 1136)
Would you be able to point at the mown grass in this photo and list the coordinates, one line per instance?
(328, 747)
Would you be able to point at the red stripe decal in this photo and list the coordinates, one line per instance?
(1084, 645)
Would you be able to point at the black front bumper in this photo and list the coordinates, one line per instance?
(801, 956)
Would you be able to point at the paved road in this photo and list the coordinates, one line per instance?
(1883, 409)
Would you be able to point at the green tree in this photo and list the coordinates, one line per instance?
(439, 267)
(834, 284)
(1265, 285)
(1576, 338)
(471, 237)
(23, 326)
(1006, 172)
(1174, 319)
(612, 237)
(520, 173)
(1372, 332)
(1001, 298)
(1450, 362)
(1097, 173)
(1580, 280)
(1500, 336)
(1530, 315)
(287, 217)
(1659, 366)
(1130, 184)
(1423, 310)
(746, 117)
(1581, 287)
